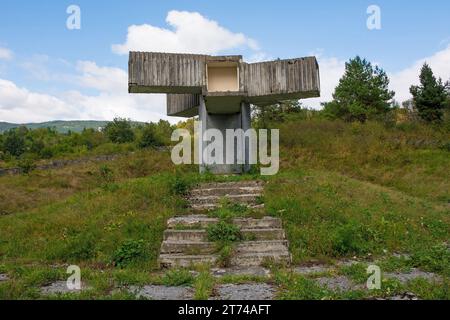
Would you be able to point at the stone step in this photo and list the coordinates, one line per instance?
(186, 235)
(225, 191)
(232, 184)
(212, 206)
(202, 235)
(188, 247)
(268, 246)
(239, 198)
(263, 223)
(263, 234)
(202, 221)
(256, 259)
(185, 261)
(192, 221)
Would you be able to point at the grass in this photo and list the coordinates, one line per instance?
(343, 191)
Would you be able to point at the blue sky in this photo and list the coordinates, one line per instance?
(48, 72)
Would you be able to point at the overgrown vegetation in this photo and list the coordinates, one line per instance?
(367, 182)
(21, 145)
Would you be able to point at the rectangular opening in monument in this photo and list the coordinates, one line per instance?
(223, 77)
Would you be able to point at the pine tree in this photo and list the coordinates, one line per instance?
(430, 97)
(363, 93)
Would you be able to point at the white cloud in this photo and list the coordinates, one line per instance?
(20, 105)
(332, 69)
(190, 33)
(5, 54)
(106, 79)
(402, 81)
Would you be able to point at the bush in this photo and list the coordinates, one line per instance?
(180, 186)
(129, 252)
(26, 165)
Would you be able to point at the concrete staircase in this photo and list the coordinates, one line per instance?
(186, 240)
(209, 196)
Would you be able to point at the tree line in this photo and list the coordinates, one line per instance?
(363, 94)
(118, 135)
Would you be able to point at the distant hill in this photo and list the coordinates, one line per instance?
(60, 126)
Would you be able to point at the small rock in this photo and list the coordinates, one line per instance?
(162, 292)
(256, 291)
(404, 296)
(3, 277)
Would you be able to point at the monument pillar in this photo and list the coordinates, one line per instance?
(222, 122)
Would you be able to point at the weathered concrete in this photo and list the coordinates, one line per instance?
(257, 83)
(241, 271)
(254, 291)
(60, 287)
(162, 292)
(188, 222)
(185, 261)
(188, 247)
(405, 277)
(220, 89)
(186, 240)
(340, 283)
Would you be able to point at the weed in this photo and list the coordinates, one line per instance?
(181, 277)
(224, 232)
(128, 252)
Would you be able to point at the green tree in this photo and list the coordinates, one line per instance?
(148, 137)
(363, 93)
(264, 116)
(119, 131)
(430, 97)
(14, 142)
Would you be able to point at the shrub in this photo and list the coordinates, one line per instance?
(180, 186)
(129, 252)
(79, 248)
(26, 165)
(351, 238)
(105, 173)
(178, 278)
